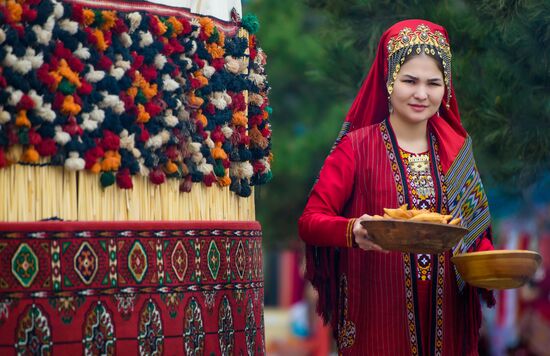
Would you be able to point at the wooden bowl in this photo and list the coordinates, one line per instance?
(413, 236)
(497, 269)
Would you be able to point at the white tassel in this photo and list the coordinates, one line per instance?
(15, 97)
(36, 59)
(165, 136)
(183, 115)
(127, 141)
(69, 26)
(58, 10)
(88, 124)
(4, 116)
(118, 73)
(218, 100)
(94, 76)
(113, 102)
(154, 142)
(123, 64)
(170, 119)
(61, 137)
(227, 131)
(241, 169)
(232, 65)
(169, 84)
(135, 21)
(38, 101)
(82, 52)
(46, 112)
(74, 162)
(205, 168)
(146, 39)
(195, 23)
(43, 36)
(160, 61)
(97, 114)
(126, 40)
(208, 71)
(194, 147)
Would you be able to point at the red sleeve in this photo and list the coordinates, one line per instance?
(321, 223)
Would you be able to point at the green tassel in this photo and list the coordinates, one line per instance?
(107, 179)
(219, 171)
(250, 23)
(269, 110)
(140, 97)
(66, 87)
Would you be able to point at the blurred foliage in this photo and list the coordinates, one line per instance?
(320, 51)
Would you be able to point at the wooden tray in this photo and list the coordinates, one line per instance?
(498, 269)
(413, 236)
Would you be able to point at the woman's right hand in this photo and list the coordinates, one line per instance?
(361, 235)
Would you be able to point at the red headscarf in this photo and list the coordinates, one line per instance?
(371, 103)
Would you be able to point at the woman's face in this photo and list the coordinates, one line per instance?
(417, 90)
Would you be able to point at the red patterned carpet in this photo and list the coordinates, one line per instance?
(147, 288)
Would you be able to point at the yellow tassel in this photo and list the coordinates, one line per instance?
(218, 152)
(89, 17)
(69, 107)
(143, 116)
(171, 167)
(239, 119)
(22, 119)
(30, 155)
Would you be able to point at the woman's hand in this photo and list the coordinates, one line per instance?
(361, 235)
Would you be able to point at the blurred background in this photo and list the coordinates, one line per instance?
(319, 51)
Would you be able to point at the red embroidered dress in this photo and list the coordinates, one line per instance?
(395, 303)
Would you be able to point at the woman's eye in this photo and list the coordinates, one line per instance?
(435, 84)
(408, 81)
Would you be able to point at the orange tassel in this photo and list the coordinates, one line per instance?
(96, 168)
(176, 25)
(109, 18)
(30, 155)
(218, 152)
(143, 116)
(101, 44)
(239, 119)
(224, 181)
(111, 161)
(89, 17)
(170, 167)
(207, 25)
(22, 119)
(202, 118)
(132, 92)
(69, 107)
(194, 101)
(215, 50)
(257, 138)
(66, 72)
(162, 27)
(15, 11)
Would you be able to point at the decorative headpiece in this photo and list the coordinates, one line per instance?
(421, 40)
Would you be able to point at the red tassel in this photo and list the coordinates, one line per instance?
(258, 167)
(226, 163)
(123, 179)
(149, 73)
(210, 109)
(85, 88)
(172, 153)
(111, 141)
(218, 63)
(105, 63)
(144, 133)
(157, 176)
(198, 61)
(77, 14)
(58, 101)
(120, 26)
(186, 185)
(26, 103)
(217, 135)
(72, 127)
(75, 64)
(153, 109)
(61, 52)
(44, 76)
(186, 25)
(29, 15)
(209, 179)
(47, 147)
(4, 161)
(237, 102)
(34, 137)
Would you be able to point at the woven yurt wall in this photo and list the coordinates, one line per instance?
(132, 134)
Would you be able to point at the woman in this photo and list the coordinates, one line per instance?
(402, 143)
